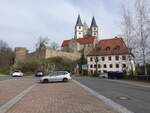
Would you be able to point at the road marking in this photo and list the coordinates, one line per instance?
(115, 106)
(5, 80)
(133, 83)
(4, 108)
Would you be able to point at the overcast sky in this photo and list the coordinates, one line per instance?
(23, 21)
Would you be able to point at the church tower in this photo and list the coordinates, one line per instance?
(78, 28)
(94, 28)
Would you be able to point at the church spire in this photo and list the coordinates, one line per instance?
(79, 22)
(93, 23)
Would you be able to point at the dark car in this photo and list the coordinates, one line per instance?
(39, 74)
(115, 75)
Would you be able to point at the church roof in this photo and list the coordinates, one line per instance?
(79, 22)
(87, 40)
(110, 47)
(93, 23)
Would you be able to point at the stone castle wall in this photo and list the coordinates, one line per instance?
(22, 55)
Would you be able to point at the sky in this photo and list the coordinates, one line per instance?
(22, 22)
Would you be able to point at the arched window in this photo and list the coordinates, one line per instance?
(107, 48)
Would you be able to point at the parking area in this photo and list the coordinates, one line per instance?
(49, 98)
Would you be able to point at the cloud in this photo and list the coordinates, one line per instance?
(23, 21)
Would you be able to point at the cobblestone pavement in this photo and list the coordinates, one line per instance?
(10, 88)
(59, 98)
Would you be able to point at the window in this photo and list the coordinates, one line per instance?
(103, 58)
(109, 58)
(94, 28)
(117, 65)
(123, 57)
(117, 47)
(91, 71)
(91, 66)
(98, 49)
(107, 48)
(79, 33)
(95, 66)
(99, 66)
(105, 66)
(91, 59)
(94, 34)
(96, 59)
(117, 57)
(79, 27)
(124, 65)
(111, 66)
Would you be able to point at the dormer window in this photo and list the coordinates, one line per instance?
(107, 48)
(117, 47)
(98, 48)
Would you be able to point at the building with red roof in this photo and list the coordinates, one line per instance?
(85, 38)
(110, 55)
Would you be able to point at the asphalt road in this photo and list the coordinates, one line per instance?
(133, 96)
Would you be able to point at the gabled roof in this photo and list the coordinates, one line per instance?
(110, 47)
(87, 40)
(79, 22)
(93, 23)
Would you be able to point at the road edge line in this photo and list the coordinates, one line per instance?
(4, 108)
(115, 106)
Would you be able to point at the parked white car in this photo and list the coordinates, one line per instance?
(56, 76)
(103, 75)
(17, 74)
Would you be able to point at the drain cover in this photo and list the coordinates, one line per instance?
(123, 98)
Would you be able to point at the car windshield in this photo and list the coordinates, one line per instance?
(17, 71)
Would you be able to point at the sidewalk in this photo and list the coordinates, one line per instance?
(9, 89)
(59, 98)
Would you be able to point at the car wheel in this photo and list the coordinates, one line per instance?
(45, 81)
(65, 80)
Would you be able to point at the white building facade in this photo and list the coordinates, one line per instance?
(101, 59)
(109, 63)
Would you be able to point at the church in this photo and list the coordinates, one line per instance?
(85, 38)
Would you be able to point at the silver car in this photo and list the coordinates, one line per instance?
(56, 76)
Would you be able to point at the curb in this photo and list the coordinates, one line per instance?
(115, 106)
(4, 108)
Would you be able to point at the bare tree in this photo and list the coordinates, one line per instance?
(42, 43)
(143, 30)
(128, 28)
(6, 54)
(136, 30)
(54, 46)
